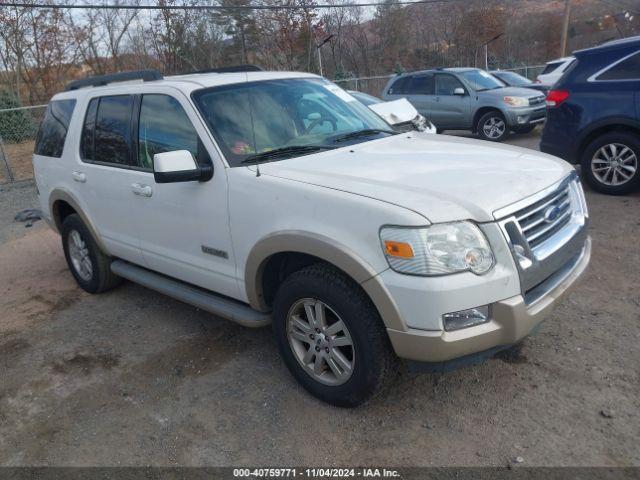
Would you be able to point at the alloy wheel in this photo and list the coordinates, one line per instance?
(79, 255)
(494, 128)
(614, 164)
(320, 341)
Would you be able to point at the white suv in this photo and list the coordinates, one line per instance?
(270, 197)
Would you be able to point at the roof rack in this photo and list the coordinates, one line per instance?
(231, 69)
(101, 80)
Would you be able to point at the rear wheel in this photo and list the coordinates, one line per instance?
(492, 126)
(331, 336)
(88, 264)
(611, 163)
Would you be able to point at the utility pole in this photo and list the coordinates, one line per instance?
(486, 50)
(565, 28)
(327, 39)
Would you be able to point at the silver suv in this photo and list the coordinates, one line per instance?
(469, 99)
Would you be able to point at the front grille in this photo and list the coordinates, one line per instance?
(544, 218)
(536, 101)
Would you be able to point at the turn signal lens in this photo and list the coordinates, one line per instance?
(398, 249)
(556, 97)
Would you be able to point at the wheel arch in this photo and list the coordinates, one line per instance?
(61, 204)
(605, 126)
(303, 248)
(481, 111)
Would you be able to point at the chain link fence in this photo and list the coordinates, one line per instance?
(18, 128)
(374, 85)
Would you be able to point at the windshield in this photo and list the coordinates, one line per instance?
(514, 79)
(288, 115)
(481, 80)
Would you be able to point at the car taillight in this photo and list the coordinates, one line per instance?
(556, 97)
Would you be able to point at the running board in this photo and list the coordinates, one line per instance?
(218, 305)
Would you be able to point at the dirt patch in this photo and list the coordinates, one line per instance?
(34, 280)
(85, 362)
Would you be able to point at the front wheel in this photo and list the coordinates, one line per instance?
(331, 336)
(492, 126)
(611, 163)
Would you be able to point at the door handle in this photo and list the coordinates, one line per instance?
(141, 190)
(79, 176)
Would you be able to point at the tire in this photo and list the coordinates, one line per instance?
(88, 264)
(373, 362)
(523, 130)
(495, 118)
(627, 157)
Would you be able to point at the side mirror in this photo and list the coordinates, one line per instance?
(459, 91)
(179, 166)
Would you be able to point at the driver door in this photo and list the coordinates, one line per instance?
(450, 110)
(183, 227)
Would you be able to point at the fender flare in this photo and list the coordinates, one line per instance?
(62, 194)
(328, 250)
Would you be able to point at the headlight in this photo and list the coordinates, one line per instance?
(517, 101)
(437, 250)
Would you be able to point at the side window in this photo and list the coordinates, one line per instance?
(421, 85)
(106, 132)
(551, 67)
(165, 127)
(53, 130)
(400, 86)
(446, 84)
(628, 69)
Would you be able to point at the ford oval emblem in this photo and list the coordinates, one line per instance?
(551, 213)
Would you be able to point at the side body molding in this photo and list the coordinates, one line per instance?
(328, 250)
(62, 194)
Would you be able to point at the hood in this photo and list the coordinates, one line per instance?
(442, 178)
(396, 111)
(513, 92)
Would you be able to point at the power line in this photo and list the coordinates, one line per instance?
(218, 7)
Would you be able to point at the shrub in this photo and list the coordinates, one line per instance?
(16, 125)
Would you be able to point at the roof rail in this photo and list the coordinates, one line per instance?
(230, 69)
(100, 80)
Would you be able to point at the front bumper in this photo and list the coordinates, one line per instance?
(512, 319)
(523, 117)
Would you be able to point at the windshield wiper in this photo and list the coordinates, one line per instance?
(361, 133)
(283, 152)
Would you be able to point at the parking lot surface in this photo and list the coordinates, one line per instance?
(131, 377)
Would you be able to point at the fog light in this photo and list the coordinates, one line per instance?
(465, 318)
(521, 119)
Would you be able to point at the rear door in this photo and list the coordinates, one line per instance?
(420, 93)
(103, 175)
(450, 110)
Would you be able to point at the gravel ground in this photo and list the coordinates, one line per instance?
(131, 377)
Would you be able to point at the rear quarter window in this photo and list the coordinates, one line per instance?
(627, 69)
(53, 129)
(551, 67)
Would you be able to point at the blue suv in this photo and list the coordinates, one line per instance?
(593, 116)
